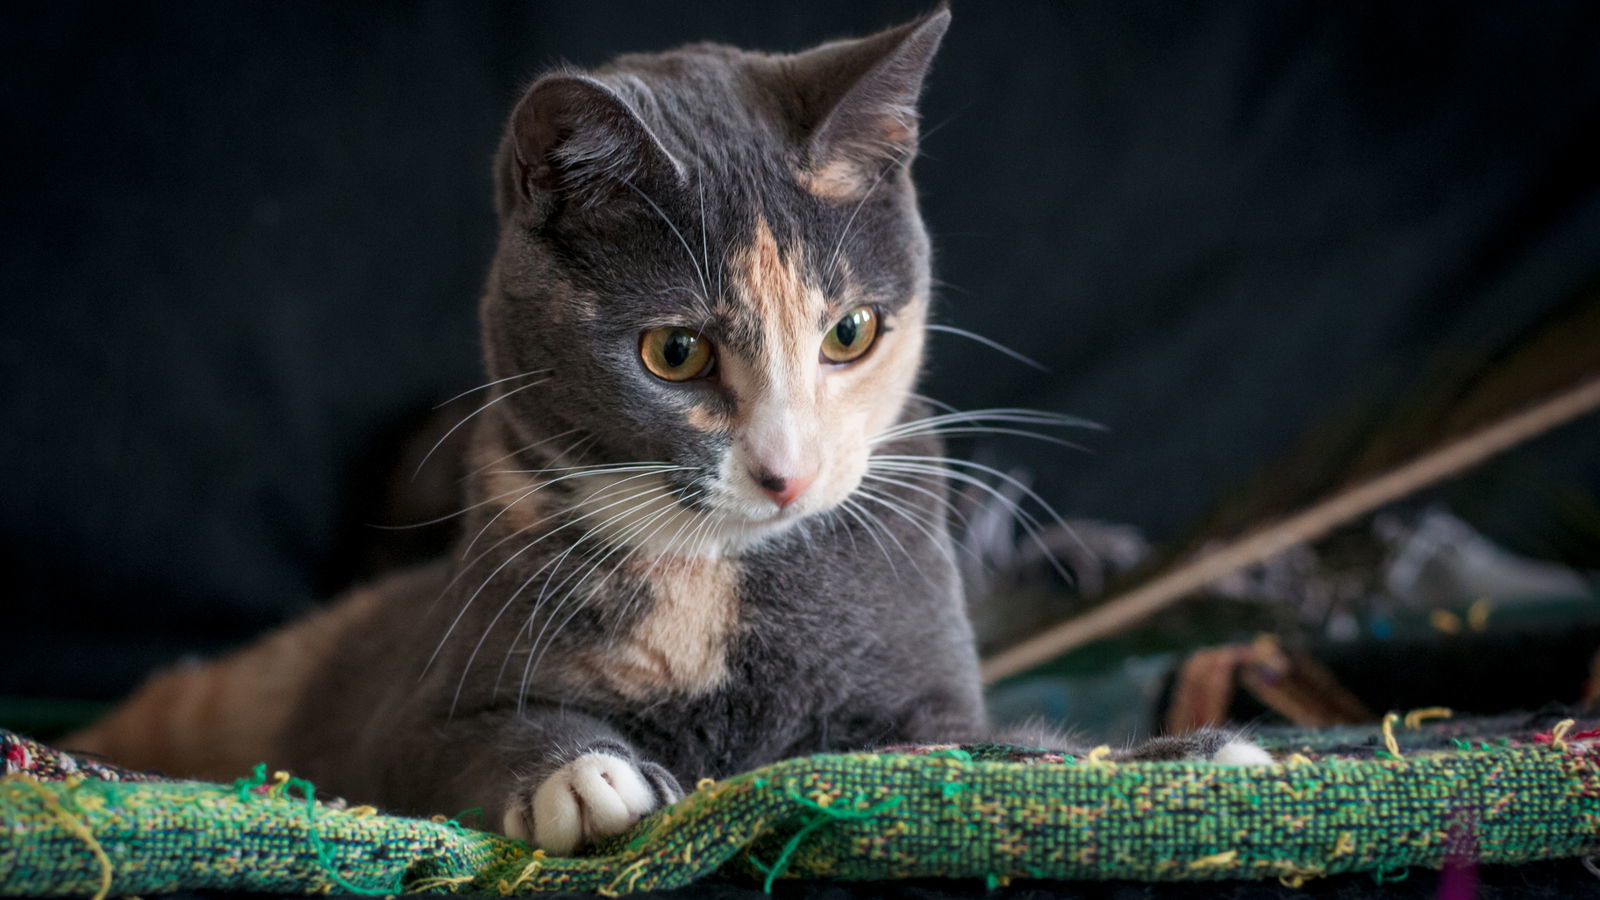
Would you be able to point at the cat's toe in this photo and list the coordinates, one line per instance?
(1241, 753)
(590, 798)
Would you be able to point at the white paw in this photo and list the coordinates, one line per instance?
(1241, 753)
(595, 796)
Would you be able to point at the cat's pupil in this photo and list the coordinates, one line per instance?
(846, 331)
(675, 352)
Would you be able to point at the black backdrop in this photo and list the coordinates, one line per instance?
(243, 241)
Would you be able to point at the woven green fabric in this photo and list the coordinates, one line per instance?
(976, 813)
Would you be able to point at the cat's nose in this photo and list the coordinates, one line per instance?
(783, 489)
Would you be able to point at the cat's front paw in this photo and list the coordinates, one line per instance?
(593, 797)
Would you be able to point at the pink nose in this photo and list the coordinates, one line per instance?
(781, 488)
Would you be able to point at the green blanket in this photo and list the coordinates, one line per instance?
(1344, 800)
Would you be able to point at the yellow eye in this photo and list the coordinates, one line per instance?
(851, 336)
(675, 354)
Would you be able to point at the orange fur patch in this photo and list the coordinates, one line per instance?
(836, 180)
(215, 720)
(680, 646)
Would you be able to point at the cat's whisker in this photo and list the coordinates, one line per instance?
(1009, 415)
(556, 563)
(844, 233)
(533, 446)
(990, 343)
(937, 404)
(941, 467)
(869, 520)
(943, 501)
(904, 512)
(705, 243)
(951, 509)
(967, 431)
(448, 516)
(630, 604)
(507, 561)
(491, 384)
(643, 471)
(705, 286)
(453, 428)
(848, 507)
(674, 501)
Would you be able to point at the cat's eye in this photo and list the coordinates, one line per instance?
(676, 354)
(851, 336)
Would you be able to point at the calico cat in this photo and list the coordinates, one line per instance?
(704, 523)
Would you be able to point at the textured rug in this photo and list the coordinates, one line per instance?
(1414, 792)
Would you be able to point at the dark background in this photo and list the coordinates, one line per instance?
(243, 245)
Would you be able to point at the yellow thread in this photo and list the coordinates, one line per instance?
(1416, 717)
(428, 884)
(704, 783)
(72, 824)
(1225, 858)
(1299, 759)
(528, 872)
(435, 819)
(1345, 844)
(1445, 621)
(1558, 734)
(1478, 614)
(1297, 876)
(1098, 754)
(359, 811)
(1388, 734)
(610, 890)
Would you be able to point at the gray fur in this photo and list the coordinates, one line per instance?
(620, 193)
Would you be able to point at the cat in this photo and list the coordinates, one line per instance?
(704, 523)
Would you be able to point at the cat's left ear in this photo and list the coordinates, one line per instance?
(860, 97)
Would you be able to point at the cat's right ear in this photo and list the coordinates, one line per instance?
(573, 140)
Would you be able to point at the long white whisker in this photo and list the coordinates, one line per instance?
(940, 467)
(556, 560)
(554, 565)
(641, 471)
(673, 503)
(896, 507)
(507, 561)
(978, 416)
(492, 384)
(440, 442)
(536, 444)
(969, 430)
(705, 286)
(990, 343)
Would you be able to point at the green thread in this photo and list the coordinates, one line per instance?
(1386, 875)
(824, 815)
(1346, 814)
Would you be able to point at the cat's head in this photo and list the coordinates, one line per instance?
(712, 260)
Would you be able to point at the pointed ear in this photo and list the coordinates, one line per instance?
(861, 99)
(574, 140)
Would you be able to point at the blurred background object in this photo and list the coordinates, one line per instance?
(1272, 248)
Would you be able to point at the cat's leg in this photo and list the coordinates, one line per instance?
(558, 779)
(598, 789)
(1217, 745)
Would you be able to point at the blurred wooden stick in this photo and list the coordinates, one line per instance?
(1307, 525)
